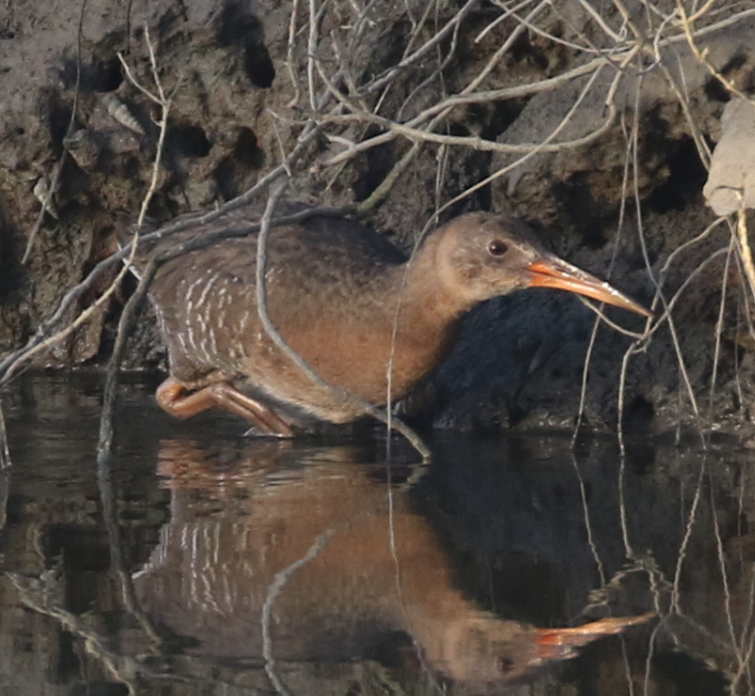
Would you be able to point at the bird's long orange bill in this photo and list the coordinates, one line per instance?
(553, 272)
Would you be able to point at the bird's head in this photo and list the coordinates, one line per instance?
(482, 255)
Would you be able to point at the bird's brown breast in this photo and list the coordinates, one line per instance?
(369, 360)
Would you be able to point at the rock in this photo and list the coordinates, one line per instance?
(731, 181)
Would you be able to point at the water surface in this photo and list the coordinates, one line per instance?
(203, 562)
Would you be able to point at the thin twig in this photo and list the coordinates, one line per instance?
(289, 62)
(743, 245)
(602, 315)
(104, 446)
(596, 323)
(347, 398)
(273, 591)
(115, 545)
(4, 496)
(5, 460)
(719, 331)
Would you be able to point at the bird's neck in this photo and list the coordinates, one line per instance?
(424, 318)
(425, 296)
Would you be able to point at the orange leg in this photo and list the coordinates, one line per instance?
(171, 397)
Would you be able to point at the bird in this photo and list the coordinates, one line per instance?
(369, 321)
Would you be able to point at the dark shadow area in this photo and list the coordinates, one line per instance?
(188, 140)
(686, 180)
(98, 76)
(237, 26)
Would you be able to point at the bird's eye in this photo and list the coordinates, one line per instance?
(497, 248)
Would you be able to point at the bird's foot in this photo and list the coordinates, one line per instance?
(172, 397)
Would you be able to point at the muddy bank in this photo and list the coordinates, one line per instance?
(557, 114)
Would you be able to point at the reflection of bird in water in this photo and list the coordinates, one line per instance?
(344, 299)
(351, 574)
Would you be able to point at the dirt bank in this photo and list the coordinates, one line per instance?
(591, 124)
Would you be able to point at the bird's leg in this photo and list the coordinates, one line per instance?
(257, 413)
(172, 397)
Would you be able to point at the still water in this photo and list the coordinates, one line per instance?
(203, 562)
